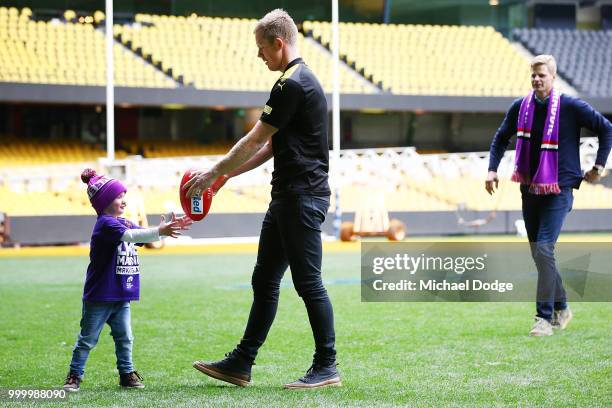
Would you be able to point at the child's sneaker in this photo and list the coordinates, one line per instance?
(131, 380)
(72, 383)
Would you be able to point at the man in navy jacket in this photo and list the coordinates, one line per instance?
(544, 213)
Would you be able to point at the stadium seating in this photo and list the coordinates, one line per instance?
(45, 202)
(18, 153)
(408, 181)
(432, 60)
(164, 148)
(160, 51)
(449, 196)
(14, 152)
(220, 53)
(60, 52)
(584, 57)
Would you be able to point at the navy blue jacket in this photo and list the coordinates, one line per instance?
(575, 114)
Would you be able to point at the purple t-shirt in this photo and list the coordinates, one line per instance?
(113, 273)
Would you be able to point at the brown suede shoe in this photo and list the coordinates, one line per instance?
(231, 369)
(72, 383)
(131, 380)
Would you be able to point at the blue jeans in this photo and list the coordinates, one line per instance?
(544, 216)
(291, 236)
(95, 315)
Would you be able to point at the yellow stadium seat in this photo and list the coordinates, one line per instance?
(56, 52)
(447, 56)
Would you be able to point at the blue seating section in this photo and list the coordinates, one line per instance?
(584, 57)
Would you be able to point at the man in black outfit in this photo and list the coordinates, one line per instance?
(293, 130)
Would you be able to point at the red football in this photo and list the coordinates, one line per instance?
(195, 208)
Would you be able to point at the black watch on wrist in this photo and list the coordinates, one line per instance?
(599, 169)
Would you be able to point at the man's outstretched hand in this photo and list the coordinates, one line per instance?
(200, 180)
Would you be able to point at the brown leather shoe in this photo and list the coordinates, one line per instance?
(231, 369)
(131, 380)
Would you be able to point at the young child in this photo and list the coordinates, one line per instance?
(113, 277)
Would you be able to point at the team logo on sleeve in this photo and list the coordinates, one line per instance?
(267, 110)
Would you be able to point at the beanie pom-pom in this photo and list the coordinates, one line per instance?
(87, 175)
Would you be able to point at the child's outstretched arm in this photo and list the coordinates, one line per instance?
(171, 228)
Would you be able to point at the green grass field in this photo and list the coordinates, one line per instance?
(391, 354)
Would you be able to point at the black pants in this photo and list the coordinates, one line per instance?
(291, 236)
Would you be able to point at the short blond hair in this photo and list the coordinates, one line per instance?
(277, 23)
(545, 59)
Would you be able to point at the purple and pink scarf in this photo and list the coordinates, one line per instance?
(545, 178)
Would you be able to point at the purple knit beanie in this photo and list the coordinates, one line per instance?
(101, 190)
